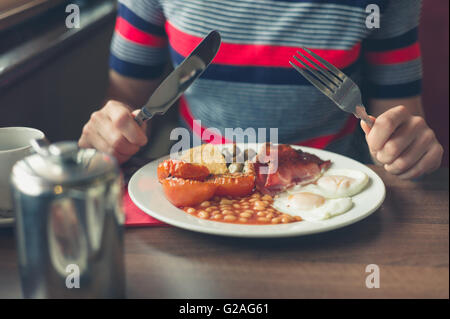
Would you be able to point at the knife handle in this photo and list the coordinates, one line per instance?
(142, 117)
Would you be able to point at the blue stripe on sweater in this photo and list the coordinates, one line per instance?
(256, 74)
(138, 22)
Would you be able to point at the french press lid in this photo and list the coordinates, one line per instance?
(63, 164)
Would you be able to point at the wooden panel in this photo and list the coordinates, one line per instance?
(59, 97)
(15, 11)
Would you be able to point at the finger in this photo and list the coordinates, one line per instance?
(365, 127)
(402, 138)
(385, 126)
(428, 163)
(116, 141)
(408, 159)
(144, 124)
(412, 154)
(123, 120)
(83, 142)
(91, 138)
(99, 143)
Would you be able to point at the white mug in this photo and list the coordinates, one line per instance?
(14, 145)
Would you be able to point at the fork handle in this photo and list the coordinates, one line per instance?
(360, 112)
(369, 120)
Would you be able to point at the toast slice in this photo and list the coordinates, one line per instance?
(207, 155)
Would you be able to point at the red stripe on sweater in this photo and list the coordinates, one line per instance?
(133, 34)
(402, 55)
(255, 54)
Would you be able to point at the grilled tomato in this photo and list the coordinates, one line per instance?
(176, 168)
(187, 192)
(233, 184)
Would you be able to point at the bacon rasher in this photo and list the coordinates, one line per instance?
(285, 167)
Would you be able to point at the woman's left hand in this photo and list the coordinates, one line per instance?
(403, 143)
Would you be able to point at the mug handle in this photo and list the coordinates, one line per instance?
(40, 145)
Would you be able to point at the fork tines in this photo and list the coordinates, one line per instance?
(322, 74)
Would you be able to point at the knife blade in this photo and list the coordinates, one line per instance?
(181, 78)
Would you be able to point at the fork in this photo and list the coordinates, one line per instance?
(333, 83)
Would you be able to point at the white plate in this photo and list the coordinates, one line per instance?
(146, 192)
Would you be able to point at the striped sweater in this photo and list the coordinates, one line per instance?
(250, 83)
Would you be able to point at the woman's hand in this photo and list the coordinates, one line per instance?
(403, 143)
(113, 130)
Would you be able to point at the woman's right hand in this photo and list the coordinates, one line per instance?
(113, 130)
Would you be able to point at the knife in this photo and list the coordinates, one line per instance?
(181, 78)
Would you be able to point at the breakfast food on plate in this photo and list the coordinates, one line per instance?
(293, 167)
(330, 195)
(336, 183)
(182, 169)
(254, 209)
(311, 206)
(187, 192)
(207, 155)
(203, 175)
(233, 184)
(278, 185)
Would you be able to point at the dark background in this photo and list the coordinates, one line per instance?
(434, 41)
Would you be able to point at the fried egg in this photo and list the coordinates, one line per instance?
(310, 206)
(335, 183)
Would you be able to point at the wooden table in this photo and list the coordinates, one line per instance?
(408, 238)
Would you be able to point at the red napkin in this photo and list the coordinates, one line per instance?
(136, 217)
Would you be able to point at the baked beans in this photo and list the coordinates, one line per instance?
(254, 209)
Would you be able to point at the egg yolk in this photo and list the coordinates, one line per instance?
(335, 182)
(305, 201)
